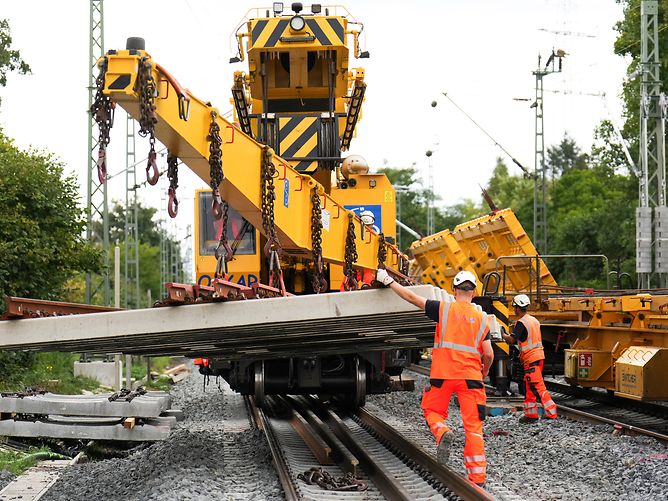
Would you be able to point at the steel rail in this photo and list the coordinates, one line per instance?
(281, 466)
(578, 415)
(419, 369)
(454, 482)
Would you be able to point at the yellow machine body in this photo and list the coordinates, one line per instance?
(641, 372)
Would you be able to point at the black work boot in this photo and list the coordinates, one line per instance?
(443, 449)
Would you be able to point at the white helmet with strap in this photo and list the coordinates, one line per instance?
(521, 300)
(465, 276)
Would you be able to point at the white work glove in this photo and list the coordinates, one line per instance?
(384, 277)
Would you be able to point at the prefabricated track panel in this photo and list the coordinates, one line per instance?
(343, 322)
(152, 404)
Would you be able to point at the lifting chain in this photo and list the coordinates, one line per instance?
(272, 248)
(147, 115)
(173, 176)
(317, 476)
(215, 164)
(350, 282)
(382, 251)
(223, 251)
(102, 110)
(319, 283)
(403, 265)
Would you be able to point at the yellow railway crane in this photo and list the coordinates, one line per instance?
(614, 341)
(313, 214)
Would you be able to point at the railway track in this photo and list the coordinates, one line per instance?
(311, 442)
(641, 418)
(581, 404)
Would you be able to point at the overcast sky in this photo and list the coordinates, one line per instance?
(481, 52)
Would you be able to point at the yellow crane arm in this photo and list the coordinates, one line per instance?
(183, 123)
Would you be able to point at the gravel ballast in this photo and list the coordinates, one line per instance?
(200, 460)
(5, 478)
(559, 459)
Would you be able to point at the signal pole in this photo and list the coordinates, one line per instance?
(540, 171)
(652, 214)
(97, 208)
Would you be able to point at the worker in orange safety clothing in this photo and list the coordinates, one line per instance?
(526, 334)
(460, 360)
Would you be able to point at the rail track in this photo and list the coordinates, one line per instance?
(318, 448)
(582, 404)
(628, 416)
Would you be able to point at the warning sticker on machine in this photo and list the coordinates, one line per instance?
(325, 219)
(585, 360)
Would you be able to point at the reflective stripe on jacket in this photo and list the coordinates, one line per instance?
(532, 348)
(458, 342)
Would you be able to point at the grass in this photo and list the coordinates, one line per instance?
(47, 371)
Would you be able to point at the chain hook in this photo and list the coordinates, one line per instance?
(102, 164)
(152, 172)
(172, 204)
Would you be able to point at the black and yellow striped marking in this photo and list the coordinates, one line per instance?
(327, 31)
(298, 137)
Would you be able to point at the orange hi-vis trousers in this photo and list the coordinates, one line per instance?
(536, 391)
(472, 399)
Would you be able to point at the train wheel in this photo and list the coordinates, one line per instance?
(357, 397)
(260, 397)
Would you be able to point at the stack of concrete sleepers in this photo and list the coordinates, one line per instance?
(133, 417)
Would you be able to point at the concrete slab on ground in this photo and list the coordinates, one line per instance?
(34, 429)
(34, 482)
(152, 404)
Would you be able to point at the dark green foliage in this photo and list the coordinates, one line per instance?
(10, 59)
(591, 207)
(41, 225)
(628, 44)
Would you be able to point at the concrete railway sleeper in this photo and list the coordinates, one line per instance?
(320, 448)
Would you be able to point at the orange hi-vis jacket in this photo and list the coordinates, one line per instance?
(458, 342)
(531, 349)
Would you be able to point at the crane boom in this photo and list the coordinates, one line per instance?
(186, 136)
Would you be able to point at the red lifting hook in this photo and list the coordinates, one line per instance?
(102, 165)
(172, 204)
(152, 179)
(216, 206)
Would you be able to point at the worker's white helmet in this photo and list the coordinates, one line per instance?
(521, 300)
(462, 277)
(367, 217)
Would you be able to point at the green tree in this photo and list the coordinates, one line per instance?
(628, 44)
(565, 156)
(514, 192)
(41, 244)
(150, 237)
(10, 59)
(41, 225)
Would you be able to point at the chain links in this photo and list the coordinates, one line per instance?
(382, 251)
(215, 164)
(224, 252)
(317, 476)
(350, 282)
(318, 281)
(102, 110)
(173, 176)
(147, 115)
(272, 249)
